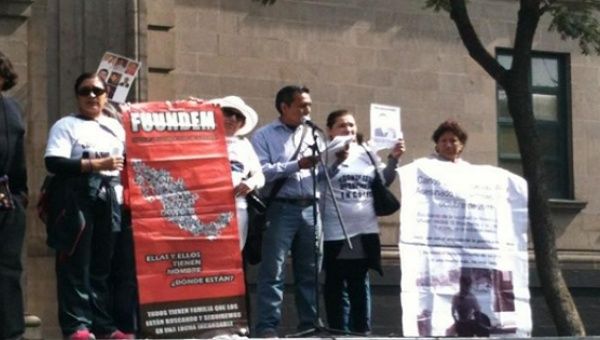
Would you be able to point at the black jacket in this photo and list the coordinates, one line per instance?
(68, 197)
(12, 152)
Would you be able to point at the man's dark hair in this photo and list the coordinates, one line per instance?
(7, 72)
(286, 95)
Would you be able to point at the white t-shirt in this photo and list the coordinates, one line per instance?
(352, 188)
(243, 162)
(70, 137)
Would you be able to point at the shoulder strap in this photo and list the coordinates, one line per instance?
(372, 160)
(279, 183)
(304, 130)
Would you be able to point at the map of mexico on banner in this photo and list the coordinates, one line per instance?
(464, 229)
(188, 261)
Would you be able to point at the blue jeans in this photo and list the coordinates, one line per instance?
(290, 227)
(348, 296)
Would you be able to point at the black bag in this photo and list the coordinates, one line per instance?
(384, 201)
(6, 199)
(257, 220)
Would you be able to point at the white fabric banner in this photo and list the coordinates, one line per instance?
(463, 250)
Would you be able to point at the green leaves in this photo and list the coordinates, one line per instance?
(577, 20)
(572, 19)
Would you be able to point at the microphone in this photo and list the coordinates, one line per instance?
(306, 121)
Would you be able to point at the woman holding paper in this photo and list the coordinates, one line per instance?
(85, 154)
(351, 172)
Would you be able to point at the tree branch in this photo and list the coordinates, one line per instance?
(266, 2)
(460, 16)
(527, 23)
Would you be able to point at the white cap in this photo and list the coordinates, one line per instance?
(237, 103)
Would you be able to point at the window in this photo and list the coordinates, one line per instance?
(549, 81)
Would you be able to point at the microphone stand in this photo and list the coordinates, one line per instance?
(318, 326)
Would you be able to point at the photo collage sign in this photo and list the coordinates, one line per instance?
(119, 73)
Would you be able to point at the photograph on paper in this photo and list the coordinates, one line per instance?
(385, 126)
(119, 73)
(453, 292)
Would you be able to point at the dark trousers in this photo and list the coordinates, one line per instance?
(123, 281)
(347, 296)
(12, 234)
(82, 278)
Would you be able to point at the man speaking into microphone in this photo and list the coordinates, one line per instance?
(284, 150)
(306, 120)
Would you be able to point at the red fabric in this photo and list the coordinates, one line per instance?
(197, 161)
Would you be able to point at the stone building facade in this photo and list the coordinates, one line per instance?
(350, 53)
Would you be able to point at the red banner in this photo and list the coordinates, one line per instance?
(188, 261)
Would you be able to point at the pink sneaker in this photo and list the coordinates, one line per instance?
(82, 334)
(118, 335)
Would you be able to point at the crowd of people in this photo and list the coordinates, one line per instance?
(309, 213)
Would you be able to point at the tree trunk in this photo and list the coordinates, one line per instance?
(518, 92)
(558, 298)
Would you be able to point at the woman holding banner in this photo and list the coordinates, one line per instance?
(450, 140)
(246, 172)
(85, 154)
(351, 172)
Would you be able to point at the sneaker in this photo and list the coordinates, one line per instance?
(118, 335)
(82, 334)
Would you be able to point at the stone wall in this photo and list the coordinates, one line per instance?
(353, 53)
(66, 38)
(349, 52)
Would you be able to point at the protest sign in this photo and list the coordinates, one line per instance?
(188, 261)
(385, 126)
(464, 229)
(119, 73)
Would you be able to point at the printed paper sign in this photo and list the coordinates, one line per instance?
(119, 74)
(464, 229)
(188, 261)
(385, 126)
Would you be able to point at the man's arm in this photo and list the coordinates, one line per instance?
(272, 170)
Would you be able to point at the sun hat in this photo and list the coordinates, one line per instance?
(237, 103)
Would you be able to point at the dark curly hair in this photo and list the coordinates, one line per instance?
(450, 126)
(7, 72)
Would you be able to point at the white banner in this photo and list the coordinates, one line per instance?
(463, 249)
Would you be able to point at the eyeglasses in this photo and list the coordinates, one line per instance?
(231, 113)
(86, 91)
